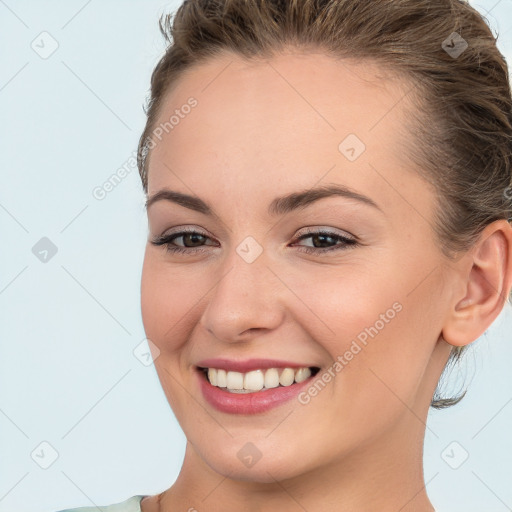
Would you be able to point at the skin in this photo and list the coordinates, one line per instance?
(262, 129)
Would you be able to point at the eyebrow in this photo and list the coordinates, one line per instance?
(279, 206)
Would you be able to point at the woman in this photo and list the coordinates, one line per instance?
(328, 198)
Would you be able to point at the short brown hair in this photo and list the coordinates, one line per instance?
(462, 131)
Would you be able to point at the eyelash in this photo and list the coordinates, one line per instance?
(166, 240)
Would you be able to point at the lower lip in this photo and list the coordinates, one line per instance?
(248, 403)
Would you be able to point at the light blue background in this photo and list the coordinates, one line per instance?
(68, 375)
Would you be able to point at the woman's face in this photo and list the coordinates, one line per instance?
(369, 314)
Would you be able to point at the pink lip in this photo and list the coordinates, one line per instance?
(248, 365)
(248, 403)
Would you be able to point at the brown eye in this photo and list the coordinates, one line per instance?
(324, 241)
(193, 241)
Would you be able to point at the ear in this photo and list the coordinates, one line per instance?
(486, 286)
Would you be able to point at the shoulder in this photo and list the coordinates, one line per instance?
(130, 505)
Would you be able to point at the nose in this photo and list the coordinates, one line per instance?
(247, 300)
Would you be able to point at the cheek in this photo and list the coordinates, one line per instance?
(151, 299)
(389, 371)
(345, 304)
(161, 307)
(379, 335)
(170, 300)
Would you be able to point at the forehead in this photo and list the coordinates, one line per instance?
(280, 122)
(335, 95)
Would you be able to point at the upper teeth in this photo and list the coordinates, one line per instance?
(256, 380)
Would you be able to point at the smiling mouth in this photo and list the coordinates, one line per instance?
(256, 380)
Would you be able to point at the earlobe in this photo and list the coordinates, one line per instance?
(487, 285)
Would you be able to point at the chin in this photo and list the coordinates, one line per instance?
(244, 461)
(264, 472)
